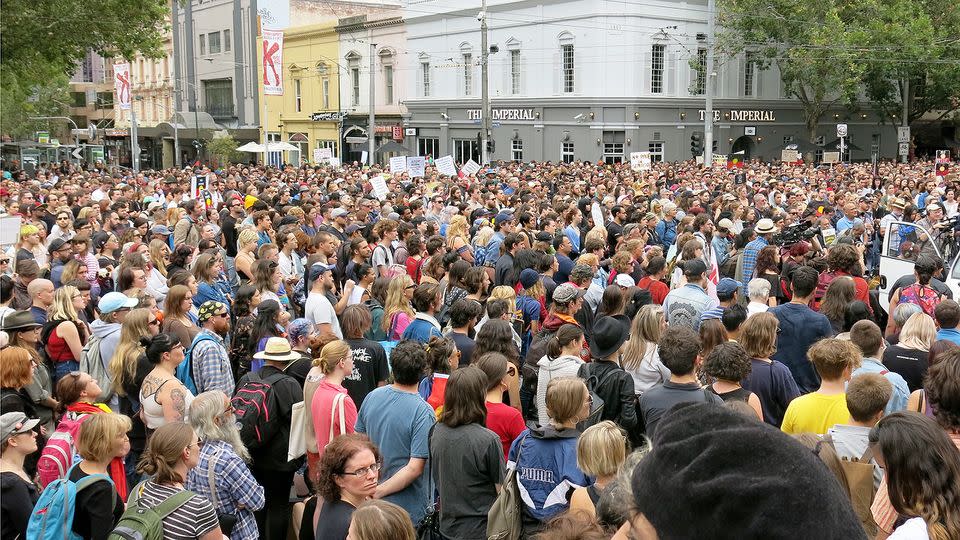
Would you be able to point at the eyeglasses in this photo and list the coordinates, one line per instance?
(360, 473)
(224, 315)
(154, 322)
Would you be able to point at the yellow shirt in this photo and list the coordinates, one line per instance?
(815, 413)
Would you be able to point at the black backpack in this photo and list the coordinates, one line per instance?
(255, 406)
(594, 384)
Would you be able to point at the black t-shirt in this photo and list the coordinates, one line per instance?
(19, 497)
(229, 235)
(369, 369)
(911, 364)
(465, 345)
(130, 405)
(94, 518)
(334, 520)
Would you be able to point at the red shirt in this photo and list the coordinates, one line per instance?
(658, 289)
(506, 422)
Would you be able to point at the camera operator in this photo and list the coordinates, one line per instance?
(938, 230)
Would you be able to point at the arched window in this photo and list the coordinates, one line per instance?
(466, 53)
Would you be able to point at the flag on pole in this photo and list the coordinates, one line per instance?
(735, 160)
(121, 84)
(272, 63)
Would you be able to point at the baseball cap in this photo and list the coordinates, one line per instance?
(694, 267)
(624, 280)
(352, 228)
(728, 286)
(115, 301)
(160, 229)
(566, 293)
(317, 270)
(503, 216)
(725, 224)
(529, 277)
(15, 423)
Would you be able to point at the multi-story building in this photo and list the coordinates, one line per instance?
(582, 80)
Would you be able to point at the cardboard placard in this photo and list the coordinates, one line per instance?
(398, 164)
(640, 161)
(470, 168)
(789, 156)
(446, 166)
(831, 157)
(416, 166)
(380, 189)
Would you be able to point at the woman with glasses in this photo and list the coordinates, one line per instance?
(176, 317)
(171, 454)
(17, 441)
(163, 397)
(349, 474)
(64, 335)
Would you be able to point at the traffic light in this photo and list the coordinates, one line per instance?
(490, 146)
(197, 144)
(696, 143)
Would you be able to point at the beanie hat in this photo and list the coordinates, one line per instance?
(710, 466)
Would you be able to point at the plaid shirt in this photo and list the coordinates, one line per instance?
(211, 364)
(750, 252)
(234, 483)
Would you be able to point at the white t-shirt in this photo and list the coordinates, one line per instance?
(912, 529)
(320, 311)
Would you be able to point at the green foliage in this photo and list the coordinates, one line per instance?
(48, 98)
(44, 40)
(225, 150)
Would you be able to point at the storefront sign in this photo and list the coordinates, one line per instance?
(327, 116)
(113, 132)
(397, 133)
(502, 114)
(737, 115)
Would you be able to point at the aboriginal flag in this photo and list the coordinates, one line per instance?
(735, 160)
(943, 169)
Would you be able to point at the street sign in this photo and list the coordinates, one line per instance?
(904, 149)
(78, 153)
(841, 130)
(903, 134)
(355, 140)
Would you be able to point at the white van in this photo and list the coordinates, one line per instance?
(897, 260)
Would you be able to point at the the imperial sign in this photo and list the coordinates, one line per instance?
(734, 115)
(502, 114)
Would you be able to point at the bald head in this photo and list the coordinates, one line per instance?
(41, 292)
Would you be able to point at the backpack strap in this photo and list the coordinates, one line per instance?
(867, 454)
(89, 480)
(173, 502)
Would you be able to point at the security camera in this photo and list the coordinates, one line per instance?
(445, 116)
(481, 15)
(579, 117)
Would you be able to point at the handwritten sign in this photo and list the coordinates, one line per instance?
(398, 164)
(470, 168)
(640, 161)
(380, 189)
(446, 166)
(416, 166)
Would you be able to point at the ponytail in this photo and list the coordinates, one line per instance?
(165, 450)
(565, 335)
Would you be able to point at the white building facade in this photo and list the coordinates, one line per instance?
(585, 80)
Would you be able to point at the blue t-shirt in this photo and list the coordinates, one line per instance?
(399, 424)
(800, 327)
(774, 386)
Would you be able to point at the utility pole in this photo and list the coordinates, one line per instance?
(906, 113)
(134, 144)
(371, 155)
(484, 91)
(708, 86)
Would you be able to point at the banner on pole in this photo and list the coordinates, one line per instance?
(272, 63)
(121, 84)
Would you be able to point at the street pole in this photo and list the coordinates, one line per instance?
(708, 87)
(266, 132)
(484, 93)
(371, 142)
(176, 141)
(134, 144)
(906, 112)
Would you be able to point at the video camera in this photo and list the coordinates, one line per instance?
(795, 233)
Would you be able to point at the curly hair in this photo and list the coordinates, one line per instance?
(728, 361)
(335, 457)
(942, 385)
(767, 260)
(844, 257)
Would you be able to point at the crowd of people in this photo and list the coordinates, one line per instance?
(542, 350)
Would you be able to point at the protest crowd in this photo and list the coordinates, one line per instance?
(533, 350)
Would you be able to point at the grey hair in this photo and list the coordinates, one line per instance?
(758, 289)
(904, 312)
(204, 411)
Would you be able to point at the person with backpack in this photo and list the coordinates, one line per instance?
(920, 293)
(209, 362)
(264, 406)
(105, 336)
(607, 380)
(679, 349)
(85, 501)
(163, 397)
(382, 256)
(160, 507)
(19, 494)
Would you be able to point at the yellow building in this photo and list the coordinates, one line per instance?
(308, 113)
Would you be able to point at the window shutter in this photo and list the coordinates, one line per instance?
(644, 69)
(557, 68)
(670, 73)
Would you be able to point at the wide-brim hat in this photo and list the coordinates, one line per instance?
(277, 350)
(765, 226)
(19, 321)
(609, 334)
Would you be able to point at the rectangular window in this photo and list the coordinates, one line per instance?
(332, 145)
(203, 44)
(297, 96)
(218, 97)
(613, 144)
(226, 41)
(425, 67)
(566, 152)
(274, 158)
(301, 142)
(78, 99)
(213, 39)
(326, 94)
(656, 68)
(516, 150)
(656, 151)
(428, 146)
(355, 79)
(467, 74)
(388, 83)
(749, 71)
(568, 68)
(465, 150)
(701, 82)
(515, 72)
(104, 100)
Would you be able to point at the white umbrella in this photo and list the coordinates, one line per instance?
(282, 147)
(252, 147)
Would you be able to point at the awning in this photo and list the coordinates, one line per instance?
(393, 147)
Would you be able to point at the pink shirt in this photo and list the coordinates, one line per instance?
(403, 321)
(320, 408)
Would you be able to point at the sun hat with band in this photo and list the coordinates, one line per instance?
(19, 321)
(209, 309)
(277, 349)
(15, 423)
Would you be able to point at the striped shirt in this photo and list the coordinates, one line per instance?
(189, 522)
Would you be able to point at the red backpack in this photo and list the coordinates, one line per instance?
(59, 453)
(921, 295)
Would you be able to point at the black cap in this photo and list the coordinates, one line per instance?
(694, 267)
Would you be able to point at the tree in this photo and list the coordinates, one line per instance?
(805, 40)
(43, 40)
(225, 150)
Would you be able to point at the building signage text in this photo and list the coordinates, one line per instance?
(735, 115)
(327, 116)
(502, 114)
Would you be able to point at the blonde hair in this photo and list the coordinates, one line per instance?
(97, 440)
(156, 256)
(565, 397)
(245, 237)
(377, 519)
(62, 307)
(173, 216)
(919, 332)
(123, 365)
(396, 301)
(588, 259)
(332, 354)
(457, 228)
(598, 232)
(831, 356)
(165, 450)
(758, 335)
(483, 236)
(644, 332)
(504, 292)
(601, 449)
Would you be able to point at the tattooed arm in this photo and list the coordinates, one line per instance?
(175, 406)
